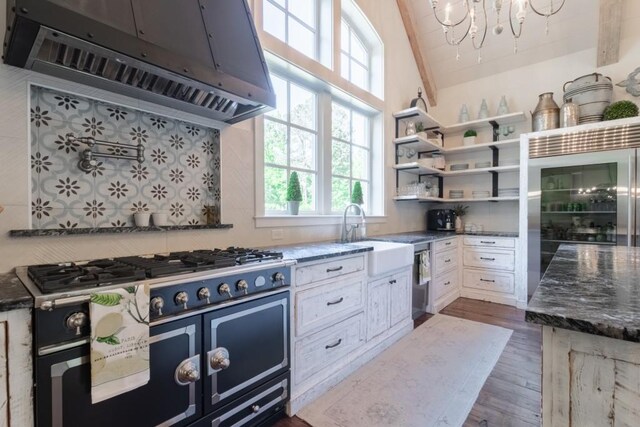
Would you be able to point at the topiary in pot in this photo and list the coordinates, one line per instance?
(294, 194)
(620, 110)
(469, 137)
(356, 194)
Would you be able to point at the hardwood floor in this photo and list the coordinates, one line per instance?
(511, 395)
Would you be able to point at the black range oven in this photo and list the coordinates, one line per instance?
(219, 352)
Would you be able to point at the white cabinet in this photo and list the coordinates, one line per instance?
(489, 265)
(445, 284)
(388, 302)
(400, 296)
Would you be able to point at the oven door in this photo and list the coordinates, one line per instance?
(246, 345)
(63, 385)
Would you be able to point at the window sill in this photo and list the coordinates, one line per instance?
(310, 220)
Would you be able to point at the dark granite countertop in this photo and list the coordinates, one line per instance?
(430, 236)
(592, 289)
(13, 294)
(305, 252)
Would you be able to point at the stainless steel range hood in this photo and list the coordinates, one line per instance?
(199, 56)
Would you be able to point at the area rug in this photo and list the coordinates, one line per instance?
(431, 377)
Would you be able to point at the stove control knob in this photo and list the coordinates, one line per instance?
(242, 286)
(76, 321)
(278, 279)
(224, 289)
(157, 304)
(182, 298)
(204, 293)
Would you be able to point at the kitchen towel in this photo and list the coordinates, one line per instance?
(119, 341)
(425, 266)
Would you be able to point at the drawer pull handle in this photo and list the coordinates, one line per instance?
(447, 260)
(487, 242)
(327, 347)
(447, 283)
(487, 259)
(391, 282)
(447, 244)
(485, 280)
(333, 270)
(338, 301)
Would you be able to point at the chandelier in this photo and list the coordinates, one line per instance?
(472, 21)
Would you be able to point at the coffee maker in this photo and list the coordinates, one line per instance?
(441, 220)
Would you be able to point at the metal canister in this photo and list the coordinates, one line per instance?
(547, 113)
(569, 114)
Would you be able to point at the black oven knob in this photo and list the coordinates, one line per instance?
(76, 321)
(204, 293)
(278, 279)
(182, 298)
(242, 286)
(157, 304)
(224, 289)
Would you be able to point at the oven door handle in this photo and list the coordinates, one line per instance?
(188, 371)
(218, 359)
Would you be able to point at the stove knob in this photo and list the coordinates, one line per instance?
(224, 289)
(204, 293)
(242, 286)
(157, 304)
(76, 321)
(278, 277)
(182, 298)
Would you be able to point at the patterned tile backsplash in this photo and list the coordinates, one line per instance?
(180, 174)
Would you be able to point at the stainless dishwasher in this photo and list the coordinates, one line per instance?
(421, 278)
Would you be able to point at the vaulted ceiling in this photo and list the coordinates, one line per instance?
(573, 29)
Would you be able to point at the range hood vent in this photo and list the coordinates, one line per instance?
(53, 52)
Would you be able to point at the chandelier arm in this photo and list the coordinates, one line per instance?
(486, 25)
(457, 43)
(513, 31)
(551, 13)
(435, 15)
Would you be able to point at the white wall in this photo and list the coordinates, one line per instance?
(522, 87)
(401, 82)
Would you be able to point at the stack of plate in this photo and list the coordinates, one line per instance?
(459, 167)
(592, 93)
(509, 192)
(480, 165)
(481, 194)
(456, 194)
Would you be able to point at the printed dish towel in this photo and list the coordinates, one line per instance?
(425, 266)
(119, 341)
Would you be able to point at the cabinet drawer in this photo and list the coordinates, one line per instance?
(488, 281)
(446, 261)
(484, 258)
(322, 349)
(495, 242)
(306, 274)
(445, 284)
(444, 245)
(324, 305)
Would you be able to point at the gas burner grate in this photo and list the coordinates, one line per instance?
(179, 262)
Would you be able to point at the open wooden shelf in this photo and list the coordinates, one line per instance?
(424, 199)
(507, 143)
(418, 142)
(417, 168)
(506, 119)
(419, 116)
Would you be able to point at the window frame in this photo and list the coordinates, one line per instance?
(353, 31)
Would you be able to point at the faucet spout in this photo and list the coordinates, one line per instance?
(349, 232)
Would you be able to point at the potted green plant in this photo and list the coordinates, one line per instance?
(356, 194)
(620, 110)
(469, 137)
(460, 211)
(294, 194)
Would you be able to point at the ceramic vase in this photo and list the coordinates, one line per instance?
(294, 207)
(459, 225)
(503, 108)
(464, 114)
(484, 110)
(468, 140)
(141, 219)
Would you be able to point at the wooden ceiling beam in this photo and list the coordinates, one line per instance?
(423, 67)
(609, 32)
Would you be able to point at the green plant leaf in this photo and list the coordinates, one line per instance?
(131, 289)
(294, 193)
(106, 299)
(111, 340)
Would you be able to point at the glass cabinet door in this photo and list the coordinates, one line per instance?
(578, 204)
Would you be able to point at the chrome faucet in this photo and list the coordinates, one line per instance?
(350, 232)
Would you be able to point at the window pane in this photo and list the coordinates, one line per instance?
(340, 122)
(358, 51)
(340, 194)
(344, 36)
(308, 187)
(360, 129)
(275, 189)
(280, 88)
(365, 195)
(360, 163)
(303, 149)
(344, 66)
(274, 21)
(359, 75)
(275, 142)
(340, 159)
(280, 2)
(303, 10)
(301, 38)
(303, 107)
